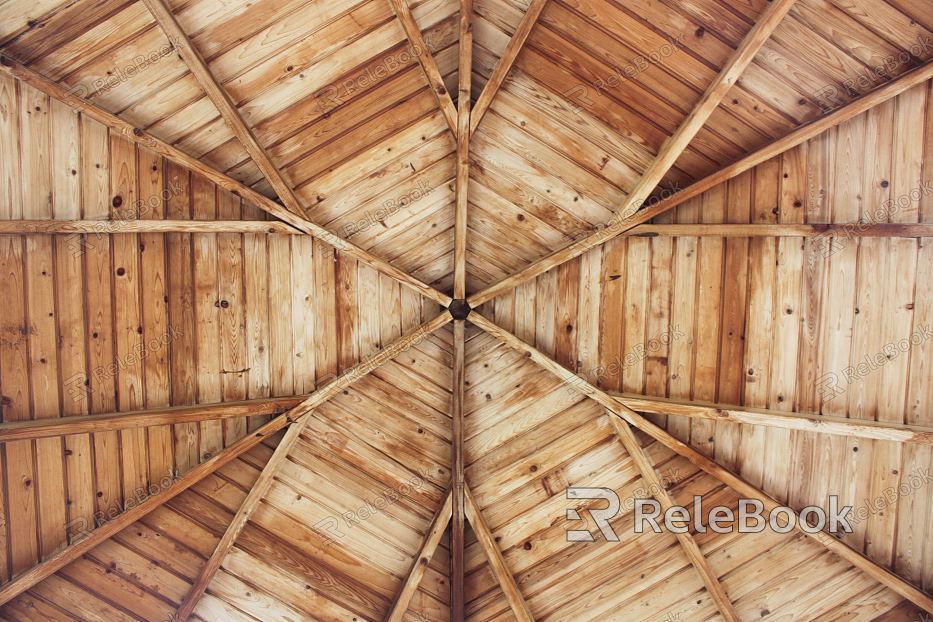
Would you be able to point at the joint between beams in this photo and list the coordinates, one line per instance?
(459, 309)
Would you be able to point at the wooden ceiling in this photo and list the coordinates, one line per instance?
(315, 309)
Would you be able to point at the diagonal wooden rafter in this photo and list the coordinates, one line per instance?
(676, 144)
(686, 540)
(617, 226)
(618, 409)
(431, 540)
(496, 561)
(228, 110)
(59, 560)
(242, 516)
(301, 415)
(426, 60)
(160, 147)
(515, 45)
(69, 554)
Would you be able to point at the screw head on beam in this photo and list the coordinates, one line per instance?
(459, 309)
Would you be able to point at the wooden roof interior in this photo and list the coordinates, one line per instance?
(314, 309)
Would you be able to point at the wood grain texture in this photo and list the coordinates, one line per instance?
(687, 542)
(882, 575)
(866, 102)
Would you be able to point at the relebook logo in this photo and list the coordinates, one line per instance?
(751, 517)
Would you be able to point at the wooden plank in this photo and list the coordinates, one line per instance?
(880, 574)
(687, 542)
(127, 130)
(798, 136)
(102, 227)
(154, 300)
(234, 364)
(206, 294)
(257, 492)
(426, 60)
(181, 310)
(20, 496)
(496, 561)
(228, 110)
(44, 374)
(515, 45)
(431, 539)
(300, 415)
(53, 564)
(129, 350)
(48, 567)
(715, 92)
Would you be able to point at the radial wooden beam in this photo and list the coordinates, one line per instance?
(243, 514)
(431, 540)
(496, 562)
(515, 45)
(111, 422)
(458, 481)
(104, 227)
(228, 110)
(59, 560)
(876, 572)
(849, 230)
(686, 540)
(160, 147)
(464, 95)
(301, 415)
(618, 226)
(803, 422)
(464, 102)
(423, 53)
(675, 145)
